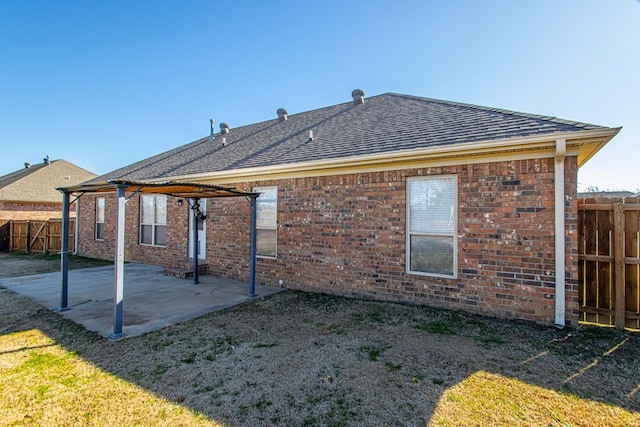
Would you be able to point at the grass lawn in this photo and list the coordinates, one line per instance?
(303, 359)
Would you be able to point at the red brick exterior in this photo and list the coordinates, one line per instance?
(346, 235)
(32, 210)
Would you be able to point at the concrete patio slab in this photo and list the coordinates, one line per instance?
(151, 299)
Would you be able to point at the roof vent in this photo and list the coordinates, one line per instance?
(224, 128)
(358, 96)
(47, 160)
(224, 141)
(27, 165)
(211, 134)
(282, 114)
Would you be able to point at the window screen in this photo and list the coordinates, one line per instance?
(432, 225)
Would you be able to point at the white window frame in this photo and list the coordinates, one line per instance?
(452, 234)
(154, 224)
(274, 226)
(100, 209)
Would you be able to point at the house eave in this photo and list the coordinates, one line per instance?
(583, 144)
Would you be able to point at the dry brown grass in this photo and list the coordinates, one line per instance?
(14, 264)
(303, 359)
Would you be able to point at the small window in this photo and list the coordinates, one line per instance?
(100, 218)
(153, 220)
(266, 221)
(432, 225)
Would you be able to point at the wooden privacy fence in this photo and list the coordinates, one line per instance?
(609, 261)
(42, 236)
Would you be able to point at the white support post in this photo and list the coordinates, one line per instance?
(118, 296)
(561, 150)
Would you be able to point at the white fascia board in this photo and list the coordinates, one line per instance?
(465, 153)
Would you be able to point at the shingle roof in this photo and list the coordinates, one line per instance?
(383, 124)
(38, 183)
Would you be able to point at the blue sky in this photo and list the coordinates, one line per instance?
(104, 84)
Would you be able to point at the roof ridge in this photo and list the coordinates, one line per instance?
(299, 113)
(288, 115)
(554, 119)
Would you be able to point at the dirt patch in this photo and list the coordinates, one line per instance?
(307, 359)
(15, 264)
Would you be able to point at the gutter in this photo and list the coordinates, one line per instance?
(523, 147)
(561, 151)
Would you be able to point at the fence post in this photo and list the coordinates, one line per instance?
(618, 254)
(47, 230)
(27, 244)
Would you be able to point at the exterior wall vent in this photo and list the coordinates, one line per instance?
(282, 114)
(358, 96)
(224, 128)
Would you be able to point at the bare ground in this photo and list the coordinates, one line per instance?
(308, 359)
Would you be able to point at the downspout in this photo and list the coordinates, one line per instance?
(561, 151)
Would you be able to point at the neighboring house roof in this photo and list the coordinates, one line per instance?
(382, 125)
(38, 182)
(605, 194)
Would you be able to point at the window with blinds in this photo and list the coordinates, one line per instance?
(266, 221)
(153, 220)
(432, 225)
(100, 218)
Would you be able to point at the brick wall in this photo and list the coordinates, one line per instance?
(346, 235)
(175, 252)
(31, 210)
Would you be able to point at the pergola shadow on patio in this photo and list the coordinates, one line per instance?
(154, 300)
(190, 191)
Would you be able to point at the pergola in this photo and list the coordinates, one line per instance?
(184, 190)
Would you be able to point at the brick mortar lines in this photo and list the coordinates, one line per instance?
(345, 235)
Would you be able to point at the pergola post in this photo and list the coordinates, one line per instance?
(118, 297)
(252, 259)
(64, 254)
(196, 217)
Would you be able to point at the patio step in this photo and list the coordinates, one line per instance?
(184, 272)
